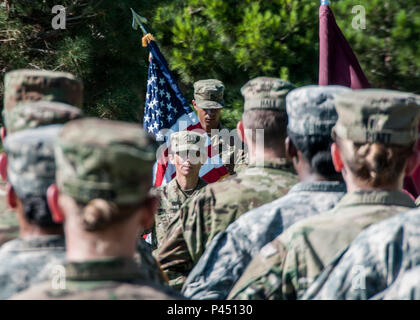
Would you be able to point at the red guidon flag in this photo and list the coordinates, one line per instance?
(337, 62)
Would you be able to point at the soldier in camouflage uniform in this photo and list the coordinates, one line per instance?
(373, 262)
(268, 177)
(375, 137)
(208, 102)
(40, 248)
(104, 174)
(40, 89)
(187, 154)
(311, 116)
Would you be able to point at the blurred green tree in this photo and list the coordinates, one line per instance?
(98, 46)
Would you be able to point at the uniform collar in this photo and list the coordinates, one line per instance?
(280, 163)
(113, 268)
(36, 243)
(200, 183)
(319, 186)
(375, 197)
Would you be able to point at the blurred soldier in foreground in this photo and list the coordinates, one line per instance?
(311, 114)
(187, 153)
(104, 174)
(208, 102)
(40, 89)
(32, 257)
(374, 144)
(268, 177)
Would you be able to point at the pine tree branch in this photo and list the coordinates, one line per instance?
(40, 50)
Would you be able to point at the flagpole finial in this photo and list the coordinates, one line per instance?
(324, 2)
(138, 21)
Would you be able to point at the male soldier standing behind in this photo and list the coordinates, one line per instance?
(187, 154)
(208, 102)
(27, 86)
(104, 174)
(268, 177)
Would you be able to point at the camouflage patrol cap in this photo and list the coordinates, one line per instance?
(105, 159)
(311, 109)
(31, 165)
(376, 115)
(40, 113)
(208, 94)
(266, 93)
(187, 140)
(27, 85)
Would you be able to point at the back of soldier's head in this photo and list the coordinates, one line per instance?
(31, 170)
(41, 113)
(25, 85)
(311, 117)
(106, 168)
(376, 132)
(265, 108)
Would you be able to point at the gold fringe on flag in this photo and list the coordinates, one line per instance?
(146, 39)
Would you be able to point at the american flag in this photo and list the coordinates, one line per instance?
(167, 108)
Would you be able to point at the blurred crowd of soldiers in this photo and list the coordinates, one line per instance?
(314, 207)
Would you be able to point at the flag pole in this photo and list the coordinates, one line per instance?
(138, 22)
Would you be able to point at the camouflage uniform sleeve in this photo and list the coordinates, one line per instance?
(186, 238)
(173, 254)
(263, 278)
(145, 257)
(218, 269)
(207, 215)
(198, 223)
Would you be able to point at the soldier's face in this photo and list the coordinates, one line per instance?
(209, 118)
(186, 163)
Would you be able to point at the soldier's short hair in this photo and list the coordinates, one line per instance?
(273, 122)
(317, 151)
(36, 211)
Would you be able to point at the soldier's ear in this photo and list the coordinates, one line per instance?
(194, 105)
(11, 196)
(3, 166)
(241, 130)
(291, 151)
(52, 199)
(3, 133)
(336, 157)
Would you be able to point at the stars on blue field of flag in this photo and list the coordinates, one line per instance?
(162, 106)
